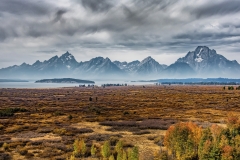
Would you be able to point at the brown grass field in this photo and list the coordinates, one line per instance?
(138, 115)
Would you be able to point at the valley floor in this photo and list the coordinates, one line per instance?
(45, 122)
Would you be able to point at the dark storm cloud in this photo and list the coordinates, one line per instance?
(216, 8)
(96, 5)
(59, 15)
(206, 35)
(3, 34)
(6, 32)
(24, 7)
(47, 51)
(231, 25)
(160, 4)
(164, 25)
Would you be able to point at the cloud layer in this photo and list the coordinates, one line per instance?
(119, 29)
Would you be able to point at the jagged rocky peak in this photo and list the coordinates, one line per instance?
(203, 52)
(53, 58)
(207, 62)
(107, 59)
(149, 58)
(67, 56)
(24, 64)
(96, 60)
(37, 63)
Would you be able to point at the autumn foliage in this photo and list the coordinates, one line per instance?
(187, 141)
(182, 140)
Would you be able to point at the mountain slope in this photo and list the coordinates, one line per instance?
(202, 62)
(127, 67)
(149, 66)
(179, 70)
(54, 67)
(207, 62)
(97, 67)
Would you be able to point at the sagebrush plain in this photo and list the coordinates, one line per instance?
(43, 123)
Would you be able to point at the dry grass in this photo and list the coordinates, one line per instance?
(137, 115)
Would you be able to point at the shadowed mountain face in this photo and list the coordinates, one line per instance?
(179, 69)
(147, 67)
(98, 68)
(202, 62)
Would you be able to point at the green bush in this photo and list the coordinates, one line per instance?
(93, 150)
(134, 155)
(119, 146)
(106, 149)
(230, 88)
(7, 112)
(111, 157)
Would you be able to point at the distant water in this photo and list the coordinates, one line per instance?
(31, 84)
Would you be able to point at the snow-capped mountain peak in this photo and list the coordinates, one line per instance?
(207, 62)
(67, 56)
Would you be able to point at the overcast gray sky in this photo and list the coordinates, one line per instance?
(122, 30)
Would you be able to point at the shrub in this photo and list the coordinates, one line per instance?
(161, 156)
(93, 150)
(119, 146)
(70, 117)
(1, 126)
(7, 112)
(119, 155)
(60, 131)
(124, 156)
(230, 88)
(5, 146)
(71, 157)
(134, 155)
(111, 157)
(113, 140)
(106, 149)
(58, 113)
(5, 156)
(23, 151)
(79, 148)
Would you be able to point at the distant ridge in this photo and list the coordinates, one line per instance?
(64, 80)
(202, 62)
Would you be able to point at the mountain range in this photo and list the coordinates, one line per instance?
(203, 62)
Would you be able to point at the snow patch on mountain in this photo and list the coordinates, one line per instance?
(199, 59)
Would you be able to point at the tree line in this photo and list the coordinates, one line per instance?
(188, 141)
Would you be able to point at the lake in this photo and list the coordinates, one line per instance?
(32, 84)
